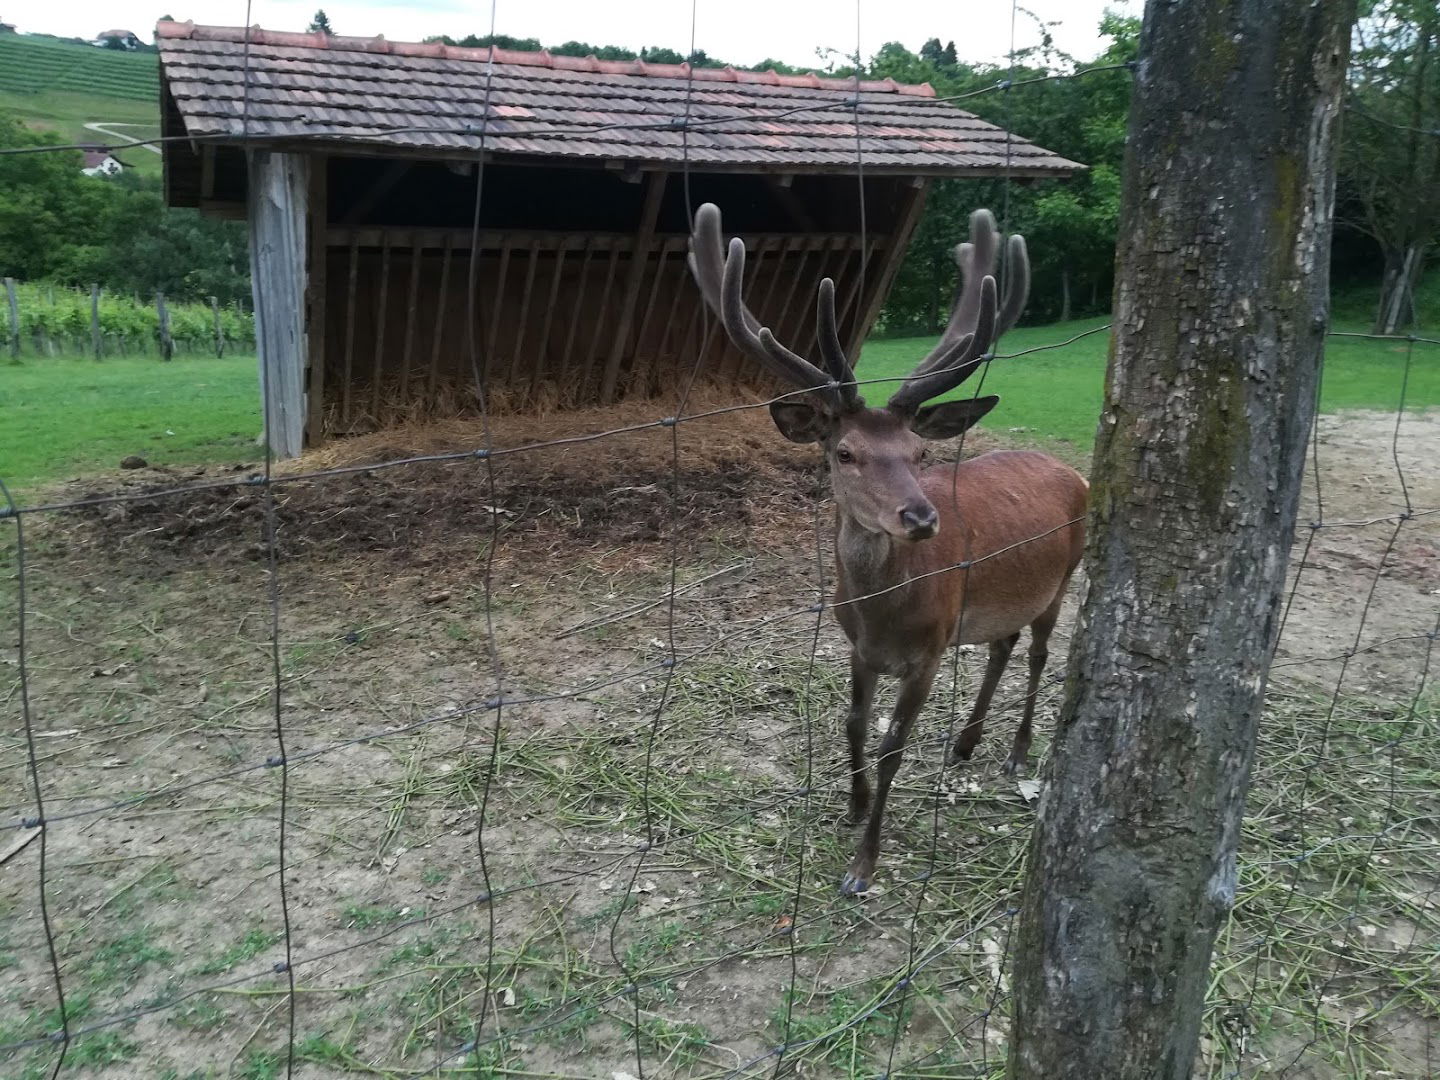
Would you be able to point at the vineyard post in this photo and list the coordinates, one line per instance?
(219, 335)
(167, 346)
(14, 320)
(95, 320)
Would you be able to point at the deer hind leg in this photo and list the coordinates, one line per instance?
(969, 737)
(857, 727)
(914, 691)
(1039, 653)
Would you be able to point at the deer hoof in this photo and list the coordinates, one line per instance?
(857, 879)
(1012, 766)
(961, 754)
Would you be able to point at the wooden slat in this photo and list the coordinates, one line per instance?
(541, 353)
(576, 313)
(351, 316)
(643, 365)
(442, 298)
(490, 239)
(496, 312)
(522, 321)
(412, 313)
(639, 257)
(380, 326)
(684, 289)
(877, 286)
(850, 291)
(316, 320)
(598, 336)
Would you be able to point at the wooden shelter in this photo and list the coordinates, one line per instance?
(354, 161)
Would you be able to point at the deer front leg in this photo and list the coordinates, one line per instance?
(857, 727)
(914, 691)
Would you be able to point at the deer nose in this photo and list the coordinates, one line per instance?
(920, 521)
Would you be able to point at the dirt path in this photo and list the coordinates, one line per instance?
(108, 129)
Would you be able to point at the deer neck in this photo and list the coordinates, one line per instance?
(868, 562)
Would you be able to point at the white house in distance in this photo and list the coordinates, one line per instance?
(126, 38)
(101, 163)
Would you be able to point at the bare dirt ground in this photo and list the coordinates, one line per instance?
(723, 939)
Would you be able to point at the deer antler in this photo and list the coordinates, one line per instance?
(975, 324)
(719, 277)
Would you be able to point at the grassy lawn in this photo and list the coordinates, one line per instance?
(1054, 397)
(68, 417)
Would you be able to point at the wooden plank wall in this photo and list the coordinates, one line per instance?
(403, 335)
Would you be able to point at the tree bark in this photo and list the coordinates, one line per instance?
(1221, 312)
(1064, 294)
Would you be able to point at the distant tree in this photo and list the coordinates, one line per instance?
(118, 43)
(656, 55)
(321, 23)
(942, 56)
(1389, 173)
(500, 41)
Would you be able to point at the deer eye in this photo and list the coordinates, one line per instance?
(844, 456)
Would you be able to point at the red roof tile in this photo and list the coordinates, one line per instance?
(430, 97)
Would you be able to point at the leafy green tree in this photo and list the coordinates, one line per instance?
(1389, 172)
(321, 23)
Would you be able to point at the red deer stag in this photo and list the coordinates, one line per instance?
(1011, 516)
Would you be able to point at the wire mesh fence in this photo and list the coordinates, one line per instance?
(525, 758)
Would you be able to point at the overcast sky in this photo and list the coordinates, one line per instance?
(741, 31)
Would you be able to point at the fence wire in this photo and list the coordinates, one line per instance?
(1332, 937)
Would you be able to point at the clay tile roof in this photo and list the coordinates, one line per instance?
(429, 97)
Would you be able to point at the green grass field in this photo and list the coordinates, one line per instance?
(54, 86)
(1054, 397)
(68, 417)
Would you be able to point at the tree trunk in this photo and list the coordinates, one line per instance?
(1064, 294)
(1220, 317)
(1397, 291)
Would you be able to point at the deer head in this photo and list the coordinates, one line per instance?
(874, 453)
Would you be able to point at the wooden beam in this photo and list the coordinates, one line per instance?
(347, 379)
(385, 183)
(494, 314)
(639, 258)
(441, 302)
(522, 320)
(317, 322)
(381, 310)
(279, 198)
(600, 320)
(576, 314)
(878, 287)
(644, 365)
(538, 368)
(412, 314)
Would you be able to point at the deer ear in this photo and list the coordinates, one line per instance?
(799, 421)
(950, 418)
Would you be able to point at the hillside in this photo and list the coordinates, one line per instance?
(57, 86)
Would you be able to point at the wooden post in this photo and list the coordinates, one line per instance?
(279, 196)
(442, 301)
(1220, 318)
(382, 308)
(162, 328)
(879, 280)
(219, 333)
(14, 320)
(95, 338)
(639, 259)
(412, 315)
(317, 292)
